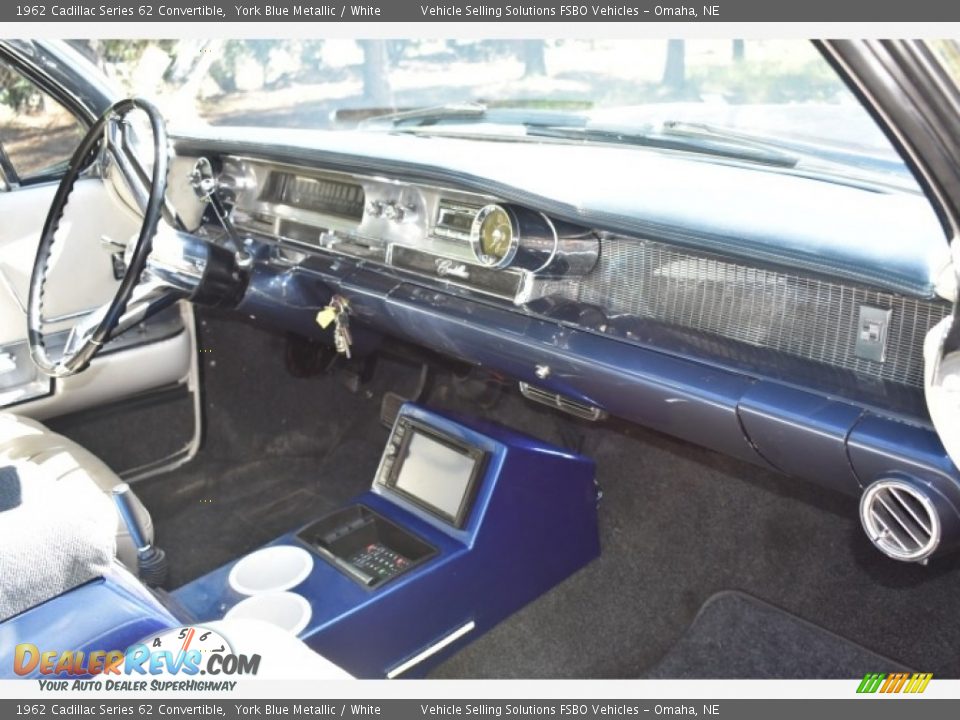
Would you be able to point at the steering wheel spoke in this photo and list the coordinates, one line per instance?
(149, 297)
(82, 331)
(117, 149)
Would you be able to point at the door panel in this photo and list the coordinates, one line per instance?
(81, 275)
(143, 378)
(112, 376)
(156, 355)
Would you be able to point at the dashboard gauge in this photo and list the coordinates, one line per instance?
(493, 237)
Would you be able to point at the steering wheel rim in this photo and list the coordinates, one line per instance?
(78, 351)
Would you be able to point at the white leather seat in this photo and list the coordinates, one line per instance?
(25, 442)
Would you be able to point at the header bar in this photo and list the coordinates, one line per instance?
(324, 12)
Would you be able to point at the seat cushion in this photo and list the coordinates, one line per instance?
(26, 444)
(59, 534)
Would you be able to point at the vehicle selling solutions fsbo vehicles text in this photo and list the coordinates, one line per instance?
(562, 11)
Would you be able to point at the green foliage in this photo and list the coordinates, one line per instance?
(766, 82)
(224, 71)
(120, 51)
(483, 50)
(115, 51)
(311, 55)
(17, 93)
(260, 50)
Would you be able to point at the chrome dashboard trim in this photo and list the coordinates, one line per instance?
(416, 226)
(587, 197)
(447, 207)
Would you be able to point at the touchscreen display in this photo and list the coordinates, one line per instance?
(435, 473)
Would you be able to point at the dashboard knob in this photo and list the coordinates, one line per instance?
(392, 211)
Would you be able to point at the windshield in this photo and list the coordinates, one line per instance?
(760, 94)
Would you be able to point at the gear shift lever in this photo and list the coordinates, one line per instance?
(151, 560)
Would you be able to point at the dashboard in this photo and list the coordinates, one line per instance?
(471, 240)
(750, 352)
(812, 329)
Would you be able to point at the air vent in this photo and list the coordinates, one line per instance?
(559, 402)
(900, 519)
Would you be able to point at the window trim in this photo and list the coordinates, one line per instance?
(43, 63)
(10, 178)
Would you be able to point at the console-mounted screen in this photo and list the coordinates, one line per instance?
(436, 472)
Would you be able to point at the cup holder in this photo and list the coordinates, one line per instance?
(271, 570)
(287, 610)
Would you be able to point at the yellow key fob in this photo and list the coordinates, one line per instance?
(326, 316)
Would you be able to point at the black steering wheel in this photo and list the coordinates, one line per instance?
(107, 139)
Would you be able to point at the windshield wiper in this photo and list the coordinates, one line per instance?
(673, 136)
(704, 131)
(573, 126)
(474, 112)
(819, 151)
(536, 122)
(428, 115)
(479, 120)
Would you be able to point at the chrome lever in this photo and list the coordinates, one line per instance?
(109, 242)
(205, 186)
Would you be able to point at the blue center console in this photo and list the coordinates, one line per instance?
(464, 523)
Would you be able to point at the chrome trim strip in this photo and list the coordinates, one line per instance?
(432, 650)
(12, 290)
(557, 401)
(192, 447)
(73, 315)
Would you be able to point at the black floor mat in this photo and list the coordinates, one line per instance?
(735, 635)
(133, 433)
(279, 451)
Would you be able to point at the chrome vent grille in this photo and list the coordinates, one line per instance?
(810, 318)
(900, 520)
(560, 402)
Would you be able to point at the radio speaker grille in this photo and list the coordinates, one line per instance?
(811, 318)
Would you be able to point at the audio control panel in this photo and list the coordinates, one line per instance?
(379, 561)
(433, 470)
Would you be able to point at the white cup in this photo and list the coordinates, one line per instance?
(272, 569)
(286, 610)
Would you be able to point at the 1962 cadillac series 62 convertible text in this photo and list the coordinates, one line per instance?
(639, 392)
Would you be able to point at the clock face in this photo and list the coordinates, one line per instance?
(492, 235)
(193, 637)
(496, 235)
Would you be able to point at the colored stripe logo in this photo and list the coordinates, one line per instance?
(914, 683)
